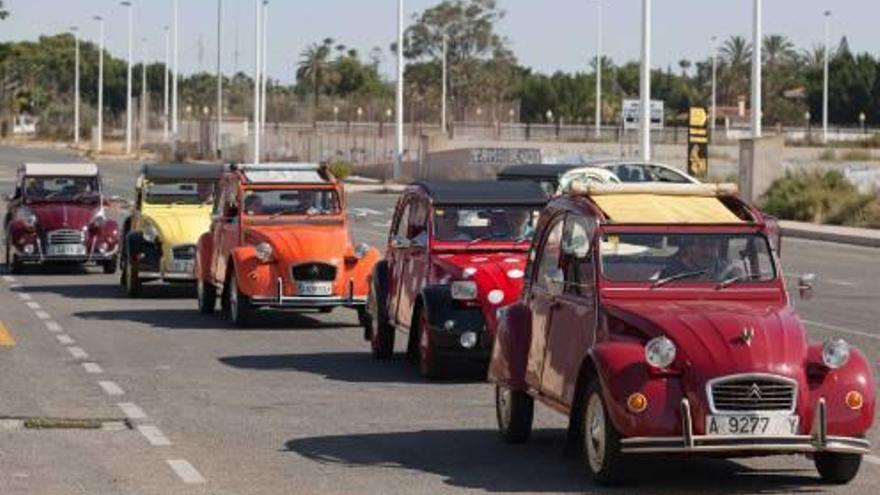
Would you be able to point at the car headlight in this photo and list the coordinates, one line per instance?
(660, 352)
(264, 251)
(99, 219)
(835, 353)
(464, 290)
(361, 250)
(27, 217)
(150, 233)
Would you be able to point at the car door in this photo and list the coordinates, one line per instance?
(226, 235)
(396, 245)
(413, 260)
(572, 321)
(541, 295)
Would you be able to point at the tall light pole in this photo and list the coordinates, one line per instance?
(263, 77)
(826, 77)
(445, 84)
(75, 30)
(757, 46)
(165, 84)
(713, 114)
(128, 96)
(645, 83)
(100, 82)
(398, 151)
(144, 119)
(175, 72)
(257, 63)
(219, 112)
(598, 69)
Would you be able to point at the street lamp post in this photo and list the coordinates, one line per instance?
(645, 83)
(176, 73)
(144, 119)
(757, 37)
(128, 96)
(398, 151)
(219, 112)
(825, 79)
(599, 69)
(445, 85)
(258, 39)
(165, 85)
(100, 82)
(75, 30)
(714, 114)
(263, 78)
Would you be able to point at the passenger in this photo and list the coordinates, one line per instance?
(696, 254)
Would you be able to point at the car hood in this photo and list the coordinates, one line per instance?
(303, 242)
(710, 335)
(180, 224)
(54, 216)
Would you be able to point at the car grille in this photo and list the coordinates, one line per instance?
(184, 253)
(65, 237)
(313, 272)
(746, 393)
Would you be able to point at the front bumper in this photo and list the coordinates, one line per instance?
(167, 277)
(279, 300)
(92, 256)
(818, 441)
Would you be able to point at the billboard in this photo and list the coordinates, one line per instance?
(632, 114)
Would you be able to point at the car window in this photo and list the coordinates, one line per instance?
(179, 192)
(292, 202)
(231, 199)
(47, 188)
(402, 219)
(484, 223)
(577, 257)
(549, 256)
(417, 224)
(663, 174)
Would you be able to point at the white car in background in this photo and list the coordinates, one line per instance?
(629, 172)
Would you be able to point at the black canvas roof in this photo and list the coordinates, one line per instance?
(178, 171)
(485, 192)
(537, 170)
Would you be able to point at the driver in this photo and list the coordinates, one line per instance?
(253, 204)
(697, 254)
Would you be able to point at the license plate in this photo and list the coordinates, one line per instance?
(748, 424)
(314, 288)
(66, 250)
(183, 266)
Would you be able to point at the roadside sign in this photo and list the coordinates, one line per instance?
(698, 143)
(632, 114)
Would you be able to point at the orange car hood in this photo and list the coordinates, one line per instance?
(302, 241)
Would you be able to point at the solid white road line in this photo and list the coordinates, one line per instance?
(131, 410)
(842, 329)
(77, 352)
(42, 315)
(33, 304)
(15, 286)
(368, 211)
(93, 368)
(24, 296)
(111, 388)
(53, 326)
(386, 224)
(64, 339)
(154, 435)
(8, 278)
(186, 471)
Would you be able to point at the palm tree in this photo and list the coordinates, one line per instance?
(736, 54)
(684, 64)
(3, 12)
(778, 50)
(312, 67)
(736, 51)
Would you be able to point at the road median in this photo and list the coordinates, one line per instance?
(831, 233)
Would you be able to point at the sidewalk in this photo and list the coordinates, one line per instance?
(831, 233)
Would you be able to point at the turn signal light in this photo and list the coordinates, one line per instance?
(854, 400)
(637, 403)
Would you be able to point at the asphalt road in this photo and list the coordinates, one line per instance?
(189, 405)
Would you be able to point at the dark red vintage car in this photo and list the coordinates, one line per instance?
(456, 253)
(58, 214)
(656, 317)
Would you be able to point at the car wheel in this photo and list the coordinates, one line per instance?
(429, 362)
(133, 285)
(207, 296)
(602, 451)
(381, 332)
(240, 308)
(837, 468)
(110, 265)
(515, 411)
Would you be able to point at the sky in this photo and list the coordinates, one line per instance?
(548, 35)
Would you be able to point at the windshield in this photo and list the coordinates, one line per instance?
(291, 202)
(179, 192)
(666, 258)
(488, 223)
(67, 188)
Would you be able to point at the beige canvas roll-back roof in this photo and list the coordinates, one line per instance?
(60, 169)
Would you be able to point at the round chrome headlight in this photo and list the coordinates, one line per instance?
(99, 219)
(835, 353)
(264, 251)
(150, 233)
(361, 250)
(660, 352)
(27, 217)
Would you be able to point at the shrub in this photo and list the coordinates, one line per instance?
(856, 155)
(828, 155)
(813, 196)
(340, 169)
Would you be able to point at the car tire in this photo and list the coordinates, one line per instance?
(207, 297)
(837, 469)
(133, 284)
(240, 308)
(110, 265)
(381, 333)
(515, 412)
(602, 447)
(429, 361)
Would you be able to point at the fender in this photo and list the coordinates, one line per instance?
(510, 354)
(440, 307)
(378, 279)
(204, 250)
(833, 385)
(135, 244)
(360, 271)
(623, 371)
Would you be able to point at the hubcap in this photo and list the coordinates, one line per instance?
(424, 342)
(504, 400)
(233, 299)
(595, 433)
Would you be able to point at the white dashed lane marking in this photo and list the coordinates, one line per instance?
(53, 326)
(93, 368)
(64, 339)
(842, 329)
(131, 410)
(77, 352)
(24, 296)
(186, 471)
(43, 315)
(33, 304)
(111, 388)
(154, 435)
(8, 278)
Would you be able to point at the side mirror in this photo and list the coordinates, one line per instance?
(555, 281)
(400, 242)
(230, 214)
(805, 286)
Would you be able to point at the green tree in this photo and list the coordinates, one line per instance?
(312, 68)
(3, 12)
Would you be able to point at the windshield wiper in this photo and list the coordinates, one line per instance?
(677, 276)
(737, 278)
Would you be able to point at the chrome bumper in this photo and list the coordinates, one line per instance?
(279, 300)
(818, 441)
(167, 277)
(92, 255)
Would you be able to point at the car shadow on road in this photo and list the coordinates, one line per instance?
(54, 270)
(478, 459)
(113, 291)
(191, 319)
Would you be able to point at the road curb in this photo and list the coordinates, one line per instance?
(818, 233)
